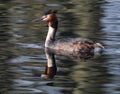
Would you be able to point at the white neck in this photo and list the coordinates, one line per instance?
(50, 36)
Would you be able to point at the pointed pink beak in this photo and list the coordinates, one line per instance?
(37, 20)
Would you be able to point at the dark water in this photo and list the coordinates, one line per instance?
(23, 59)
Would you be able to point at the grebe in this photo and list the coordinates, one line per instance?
(70, 45)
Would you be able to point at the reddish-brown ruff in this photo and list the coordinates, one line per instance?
(52, 19)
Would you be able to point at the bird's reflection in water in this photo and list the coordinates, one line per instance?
(51, 68)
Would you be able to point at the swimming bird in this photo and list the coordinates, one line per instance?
(69, 45)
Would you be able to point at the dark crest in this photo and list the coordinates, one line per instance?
(50, 12)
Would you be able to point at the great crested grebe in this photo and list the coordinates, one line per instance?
(70, 45)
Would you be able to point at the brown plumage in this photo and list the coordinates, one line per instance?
(68, 45)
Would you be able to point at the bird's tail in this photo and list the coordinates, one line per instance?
(99, 45)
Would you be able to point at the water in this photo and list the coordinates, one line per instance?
(23, 59)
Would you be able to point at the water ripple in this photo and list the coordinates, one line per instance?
(22, 59)
(25, 45)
